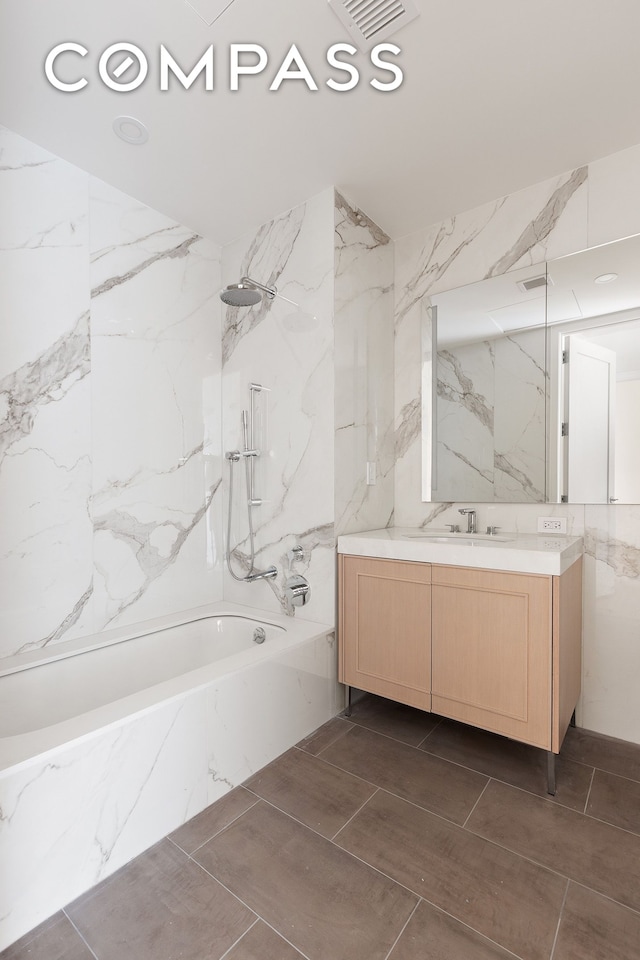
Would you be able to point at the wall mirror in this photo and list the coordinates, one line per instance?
(531, 383)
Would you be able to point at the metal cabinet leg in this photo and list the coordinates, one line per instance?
(551, 773)
(347, 711)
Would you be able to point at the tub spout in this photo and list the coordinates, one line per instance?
(267, 574)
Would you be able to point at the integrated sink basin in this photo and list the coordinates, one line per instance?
(462, 538)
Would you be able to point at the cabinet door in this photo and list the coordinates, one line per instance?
(385, 621)
(491, 651)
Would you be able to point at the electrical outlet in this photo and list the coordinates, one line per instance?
(371, 473)
(552, 524)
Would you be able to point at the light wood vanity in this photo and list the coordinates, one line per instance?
(496, 648)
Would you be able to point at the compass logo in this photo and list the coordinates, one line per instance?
(125, 67)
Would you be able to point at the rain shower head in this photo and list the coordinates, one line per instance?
(246, 293)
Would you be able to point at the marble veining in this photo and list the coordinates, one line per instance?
(458, 387)
(44, 380)
(177, 252)
(62, 630)
(369, 234)
(153, 559)
(542, 225)
(408, 427)
(622, 556)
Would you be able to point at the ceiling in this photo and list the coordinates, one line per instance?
(497, 95)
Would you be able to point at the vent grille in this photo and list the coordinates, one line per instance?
(533, 283)
(374, 19)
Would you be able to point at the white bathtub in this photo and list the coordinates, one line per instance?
(116, 740)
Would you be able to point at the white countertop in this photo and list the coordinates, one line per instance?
(537, 553)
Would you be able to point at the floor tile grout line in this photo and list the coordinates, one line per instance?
(571, 810)
(420, 746)
(482, 792)
(278, 933)
(355, 776)
(344, 722)
(586, 802)
(464, 923)
(553, 870)
(494, 843)
(82, 937)
(308, 826)
(489, 777)
(606, 896)
(424, 739)
(361, 807)
(365, 863)
(222, 829)
(450, 823)
(442, 720)
(437, 756)
(241, 937)
(555, 939)
(404, 927)
(610, 773)
(257, 915)
(390, 736)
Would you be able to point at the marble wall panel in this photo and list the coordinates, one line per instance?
(288, 349)
(45, 426)
(363, 370)
(155, 320)
(110, 406)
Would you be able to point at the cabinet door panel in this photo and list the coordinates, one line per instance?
(385, 628)
(491, 651)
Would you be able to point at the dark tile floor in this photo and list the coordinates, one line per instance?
(394, 834)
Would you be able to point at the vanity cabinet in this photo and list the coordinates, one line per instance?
(497, 650)
(385, 626)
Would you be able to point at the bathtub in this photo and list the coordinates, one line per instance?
(109, 743)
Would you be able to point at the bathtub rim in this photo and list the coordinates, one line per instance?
(21, 750)
(106, 638)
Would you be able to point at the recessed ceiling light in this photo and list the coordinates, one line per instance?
(606, 278)
(130, 130)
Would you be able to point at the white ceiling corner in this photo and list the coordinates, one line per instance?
(209, 10)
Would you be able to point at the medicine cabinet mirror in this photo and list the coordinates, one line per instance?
(531, 383)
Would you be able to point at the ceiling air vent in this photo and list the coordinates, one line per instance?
(374, 20)
(534, 282)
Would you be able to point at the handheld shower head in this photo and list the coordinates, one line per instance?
(246, 293)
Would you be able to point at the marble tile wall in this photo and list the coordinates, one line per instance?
(109, 406)
(363, 371)
(588, 206)
(288, 349)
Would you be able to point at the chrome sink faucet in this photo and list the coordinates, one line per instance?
(471, 519)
